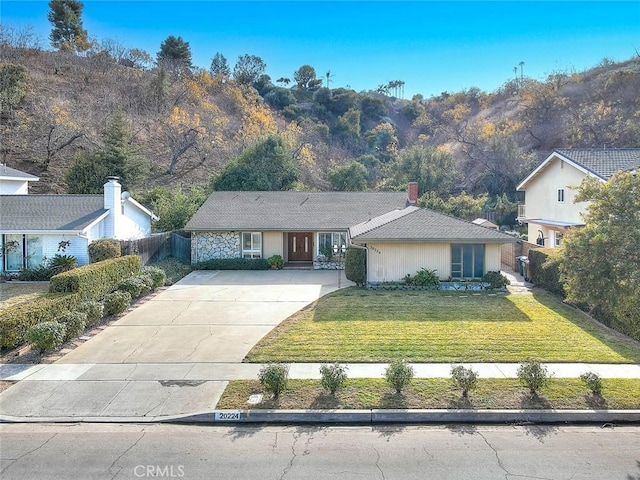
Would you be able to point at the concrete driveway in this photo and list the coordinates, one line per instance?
(209, 316)
(173, 354)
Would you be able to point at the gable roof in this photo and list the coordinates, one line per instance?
(598, 162)
(293, 211)
(8, 173)
(60, 213)
(423, 225)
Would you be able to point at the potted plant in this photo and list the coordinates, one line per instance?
(275, 262)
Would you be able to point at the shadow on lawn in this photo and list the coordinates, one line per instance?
(616, 341)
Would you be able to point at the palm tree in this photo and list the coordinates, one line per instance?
(328, 77)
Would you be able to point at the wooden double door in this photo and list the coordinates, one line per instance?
(300, 246)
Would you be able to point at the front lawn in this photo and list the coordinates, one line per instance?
(356, 325)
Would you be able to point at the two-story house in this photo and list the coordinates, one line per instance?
(549, 209)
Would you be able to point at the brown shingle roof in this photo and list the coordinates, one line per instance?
(293, 211)
(425, 225)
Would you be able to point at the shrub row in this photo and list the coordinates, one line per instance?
(274, 377)
(544, 269)
(17, 319)
(233, 264)
(94, 281)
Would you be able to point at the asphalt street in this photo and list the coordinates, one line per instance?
(111, 451)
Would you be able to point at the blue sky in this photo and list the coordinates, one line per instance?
(432, 46)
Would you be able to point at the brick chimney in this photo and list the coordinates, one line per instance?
(412, 193)
(112, 202)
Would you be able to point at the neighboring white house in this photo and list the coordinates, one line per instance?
(14, 182)
(36, 227)
(305, 227)
(549, 209)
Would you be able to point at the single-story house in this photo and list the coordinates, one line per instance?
(36, 227)
(14, 182)
(305, 227)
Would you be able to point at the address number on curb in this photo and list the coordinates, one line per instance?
(227, 416)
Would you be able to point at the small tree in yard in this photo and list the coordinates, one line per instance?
(533, 375)
(333, 377)
(464, 378)
(274, 378)
(593, 382)
(399, 375)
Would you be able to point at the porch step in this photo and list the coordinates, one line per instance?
(298, 266)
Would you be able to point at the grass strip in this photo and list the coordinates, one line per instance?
(623, 394)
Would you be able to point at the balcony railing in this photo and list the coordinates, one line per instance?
(521, 212)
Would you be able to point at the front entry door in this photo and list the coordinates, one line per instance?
(300, 246)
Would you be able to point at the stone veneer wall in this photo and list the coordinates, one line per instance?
(328, 265)
(208, 245)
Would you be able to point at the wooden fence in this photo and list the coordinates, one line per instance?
(510, 251)
(159, 246)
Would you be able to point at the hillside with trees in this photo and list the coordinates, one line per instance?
(90, 108)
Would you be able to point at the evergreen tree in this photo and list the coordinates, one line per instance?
(175, 53)
(219, 66)
(67, 33)
(266, 166)
(117, 157)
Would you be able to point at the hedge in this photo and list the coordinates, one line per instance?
(355, 266)
(18, 318)
(104, 249)
(233, 264)
(544, 269)
(94, 281)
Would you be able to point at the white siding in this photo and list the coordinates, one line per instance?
(391, 262)
(77, 247)
(272, 244)
(133, 224)
(492, 257)
(14, 187)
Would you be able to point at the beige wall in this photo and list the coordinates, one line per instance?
(272, 244)
(541, 198)
(390, 262)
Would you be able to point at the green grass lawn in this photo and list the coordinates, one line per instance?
(491, 393)
(356, 325)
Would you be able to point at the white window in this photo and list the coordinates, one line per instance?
(328, 241)
(251, 244)
(561, 195)
(34, 251)
(557, 238)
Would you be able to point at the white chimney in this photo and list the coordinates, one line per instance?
(112, 197)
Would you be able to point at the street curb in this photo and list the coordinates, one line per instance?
(375, 416)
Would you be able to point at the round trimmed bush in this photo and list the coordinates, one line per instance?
(74, 323)
(159, 276)
(46, 336)
(116, 302)
(94, 311)
(132, 285)
(147, 283)
(103, 249)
